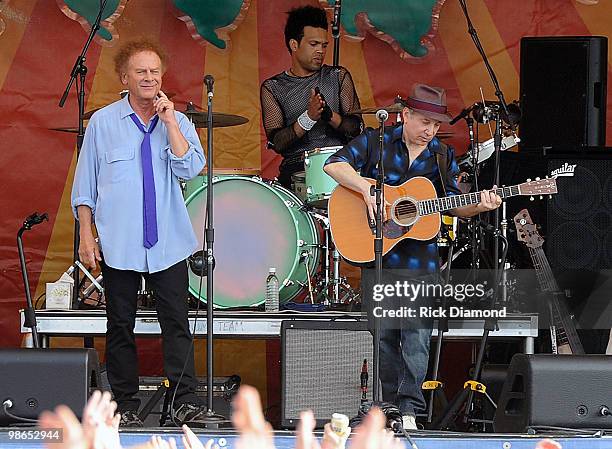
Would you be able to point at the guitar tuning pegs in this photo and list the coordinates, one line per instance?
(538, 178)
(541, 197)
(550, 197)
(528, 179)
(531, 198)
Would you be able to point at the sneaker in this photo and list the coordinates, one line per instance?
(190, 413)
(130, 418)
(409, 422)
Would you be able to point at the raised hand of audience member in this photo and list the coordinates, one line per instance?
(248, 420)
(191, 441)
(305, 438)
(157, 442)
(63, 418)
(100, 424)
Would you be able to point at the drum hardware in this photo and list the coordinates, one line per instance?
(198, 117)
(331, 288)
(304, 259)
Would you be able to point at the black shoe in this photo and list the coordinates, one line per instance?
(189, 413)
(130, 419)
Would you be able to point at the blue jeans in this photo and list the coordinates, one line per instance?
(404, 343)
(404, 357)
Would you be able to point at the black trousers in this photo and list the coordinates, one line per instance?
(170, 291)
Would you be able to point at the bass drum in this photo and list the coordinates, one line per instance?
(258, 225)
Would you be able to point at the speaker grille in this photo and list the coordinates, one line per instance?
(321, 369)
(579, 217)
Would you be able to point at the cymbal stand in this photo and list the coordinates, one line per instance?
(333, 289)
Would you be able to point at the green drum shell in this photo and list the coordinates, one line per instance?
(319, 185)
(258, 225)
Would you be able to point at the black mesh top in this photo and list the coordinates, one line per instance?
(284, 97)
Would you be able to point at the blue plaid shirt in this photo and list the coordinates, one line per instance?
(410, 254)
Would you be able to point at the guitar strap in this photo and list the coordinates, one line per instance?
(442, 160)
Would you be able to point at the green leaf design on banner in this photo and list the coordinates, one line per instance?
(407, 25)
(212, 20)
(86, 11)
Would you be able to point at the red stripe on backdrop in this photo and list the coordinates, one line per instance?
(28, 106)
(541, 18)
(390, 76)
(186, 65)
(273, 59)
(534, 18)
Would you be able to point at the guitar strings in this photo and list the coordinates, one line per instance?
(566, 330)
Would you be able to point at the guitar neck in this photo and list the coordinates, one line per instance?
(434, 205)
(546, 279)
(565, 329)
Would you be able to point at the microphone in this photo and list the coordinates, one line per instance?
(35, 219)
(382, 115)
(336, 21)
(461, 115)
(364, 381)
(209, 81)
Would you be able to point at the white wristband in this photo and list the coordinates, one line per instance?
(305, 122)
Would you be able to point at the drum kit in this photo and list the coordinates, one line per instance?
(260, 224)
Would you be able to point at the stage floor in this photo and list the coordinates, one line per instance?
(286, 440)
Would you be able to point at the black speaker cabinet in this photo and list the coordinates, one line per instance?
(579, 216)
(321, 368)
(563, 92)
(555, 390)
(34, 380)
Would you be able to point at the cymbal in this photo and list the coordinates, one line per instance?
(67, 129)
(219, 119)
(394, 108)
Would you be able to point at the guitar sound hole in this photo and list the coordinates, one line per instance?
(405, 212)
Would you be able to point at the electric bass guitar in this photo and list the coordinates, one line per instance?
(413, 212)
(563, 333)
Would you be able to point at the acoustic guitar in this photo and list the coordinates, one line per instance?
(413, 212)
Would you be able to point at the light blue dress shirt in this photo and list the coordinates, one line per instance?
(108, 179)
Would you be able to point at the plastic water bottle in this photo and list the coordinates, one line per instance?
(272, 291)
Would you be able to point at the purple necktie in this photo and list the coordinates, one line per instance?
(148, 183)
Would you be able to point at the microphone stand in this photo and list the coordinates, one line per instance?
(80, 69)
(212, 420)
(504, 113)
(467, 394)
(442, 327)
(30, 312)
(378, 191)
(336, 32)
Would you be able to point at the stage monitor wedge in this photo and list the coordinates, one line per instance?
(563, 84)
(34, 380)
(545, 390)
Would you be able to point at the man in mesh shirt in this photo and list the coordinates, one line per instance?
(306, 106)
